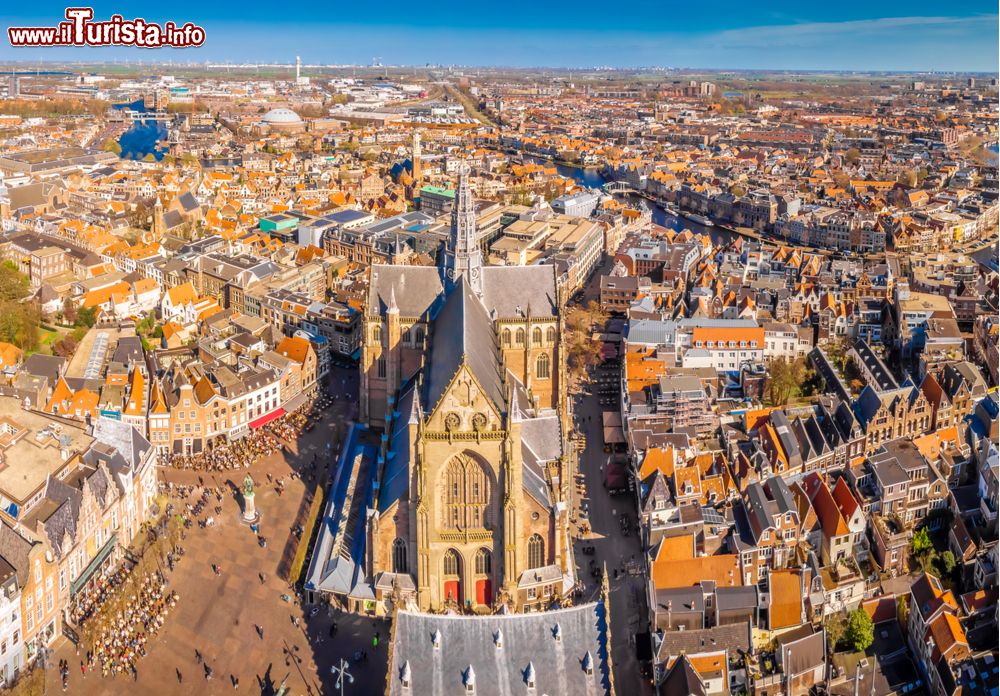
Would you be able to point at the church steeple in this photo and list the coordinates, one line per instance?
(463, 255)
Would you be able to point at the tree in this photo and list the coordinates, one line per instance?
(87, 316)
(13, 283)
(921, 542)
(69, 311)
(947, 562)
(112, 145)
(19, 322)
(907, 178)
(860, 632)
(786, 379)
(852, 155)
(836, 626)
(65, 347)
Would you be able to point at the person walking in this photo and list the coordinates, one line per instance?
(180, 677)
(83, 668)
(197, 656)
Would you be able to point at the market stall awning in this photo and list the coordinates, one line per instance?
(613, 435)
(615, 476)
(92, 567)
(264, 420)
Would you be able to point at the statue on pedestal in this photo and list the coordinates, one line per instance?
(249, 508)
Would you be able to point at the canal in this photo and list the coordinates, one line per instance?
(593, 178)
(143, 138)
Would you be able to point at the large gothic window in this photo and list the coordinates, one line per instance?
(536, 336)
(377, 334)
(380, 367)
(542, 371)
(520, 337)
(506, 337)
(536, 551)
(551, 334)
(451, 562)
(484, 562)
(468, 490)
(399, 564)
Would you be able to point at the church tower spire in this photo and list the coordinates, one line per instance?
(463, 255)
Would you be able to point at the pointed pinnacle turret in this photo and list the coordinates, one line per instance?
(392, 300)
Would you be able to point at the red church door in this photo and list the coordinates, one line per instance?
(453, 591)
(484, 591)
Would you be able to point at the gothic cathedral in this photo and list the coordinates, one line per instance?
(461, 373)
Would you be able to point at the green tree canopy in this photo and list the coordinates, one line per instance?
(947, 562)
(921, 542)
(87, 316)
(13, 284)
(860, 632)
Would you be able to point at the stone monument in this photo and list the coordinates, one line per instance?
(250, 513)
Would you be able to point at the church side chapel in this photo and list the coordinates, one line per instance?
(460, 372)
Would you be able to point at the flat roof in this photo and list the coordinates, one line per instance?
(439, 190)
(31, 457)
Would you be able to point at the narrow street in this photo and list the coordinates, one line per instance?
(612, 548)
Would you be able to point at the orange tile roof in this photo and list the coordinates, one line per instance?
(294, 348)
(932, 444)
(947, 632)
(724, 569)
(846, 501)
(658, 459)
(825, 506)
(676, 548)
(786, 598)
(726, 334)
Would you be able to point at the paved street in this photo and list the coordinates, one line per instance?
(218, 616)
(611, 547)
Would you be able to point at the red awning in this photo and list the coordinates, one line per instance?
(615, 476)
(264, 420)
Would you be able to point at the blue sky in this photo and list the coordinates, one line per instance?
(719, 34)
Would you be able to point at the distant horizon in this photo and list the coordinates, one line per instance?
(781, 35)
(242, 63)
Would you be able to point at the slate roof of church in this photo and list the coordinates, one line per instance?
(462, 333)
(470, 641)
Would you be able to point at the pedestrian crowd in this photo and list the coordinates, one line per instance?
(242, 453)
(91, 599)
(123, 641)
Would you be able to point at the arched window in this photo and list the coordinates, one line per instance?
(377, 334)
(406, 337)
(468, 489)
(536, 551)
(550, 335)
(484, 562)
(451, 562)
(399, 564)
(520, 337)
(536, 336)
(506, 337)
(419, 341)
(381, 367)
(542, 366)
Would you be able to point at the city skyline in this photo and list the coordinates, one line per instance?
(888, 37)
